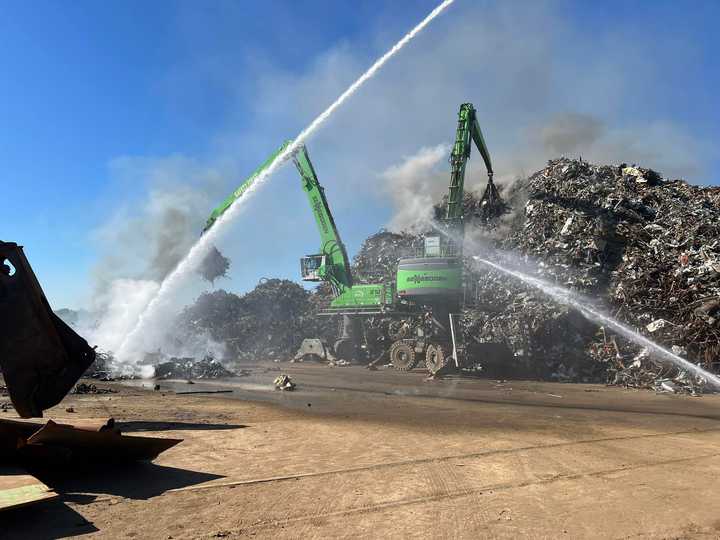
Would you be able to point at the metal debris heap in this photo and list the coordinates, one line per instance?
(377, 259)
(649, 248)
(284, 382)
(267, 323)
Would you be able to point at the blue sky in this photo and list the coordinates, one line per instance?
(105, 103)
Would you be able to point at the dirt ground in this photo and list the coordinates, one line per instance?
(354, 453)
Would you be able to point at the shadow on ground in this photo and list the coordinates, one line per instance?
(138, 426)
(130, 481)
(53, 519)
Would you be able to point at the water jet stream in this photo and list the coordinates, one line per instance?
(129, 347)
(567, 297)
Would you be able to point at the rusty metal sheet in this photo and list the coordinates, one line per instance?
(17, 488)
(86, 424)
(107, 445)
(41, 357)
(25, 427)
(54, 442)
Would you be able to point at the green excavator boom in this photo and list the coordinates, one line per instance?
(249, 181)
(437, 274)
(336, 265)
(332, 264)
(468, 129)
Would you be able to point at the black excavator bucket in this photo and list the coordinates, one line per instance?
(491, 205)
(41, 357)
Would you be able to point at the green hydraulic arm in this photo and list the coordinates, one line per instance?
(334, 265)
(235, 195)
(468, 128)
(468, 131)
(437, 275)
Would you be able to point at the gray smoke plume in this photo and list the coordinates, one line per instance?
(142, 241)
(145, 239)
(414, 185)
(571, 132)
(659, 144)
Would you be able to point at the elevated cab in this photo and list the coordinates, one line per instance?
(312, 267)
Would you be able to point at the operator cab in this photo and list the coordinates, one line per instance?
(310, 267)
(432, 246)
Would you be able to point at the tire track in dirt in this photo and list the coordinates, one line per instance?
(443, 482)
(420, 461)
(459, 493)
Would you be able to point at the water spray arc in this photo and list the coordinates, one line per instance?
(200, 249)
(567, 297)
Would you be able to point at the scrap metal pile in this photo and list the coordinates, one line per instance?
(269, 322)
(377, 259)
(191, 368)
(647, 248)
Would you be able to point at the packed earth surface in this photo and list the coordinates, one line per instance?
(355, 453)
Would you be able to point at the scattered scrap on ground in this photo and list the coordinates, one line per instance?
(283, 382)
(190, 368)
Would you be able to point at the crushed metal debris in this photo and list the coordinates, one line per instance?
(283, 382)
(646, 247)
(85, 388)
(190, 368)
(268, 322)
(376, 261)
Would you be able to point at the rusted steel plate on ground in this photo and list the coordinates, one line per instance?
(105, 445)
(96, 439)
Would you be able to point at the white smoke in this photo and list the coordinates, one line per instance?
(142, 241)
(414, 185)
(116, 310)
